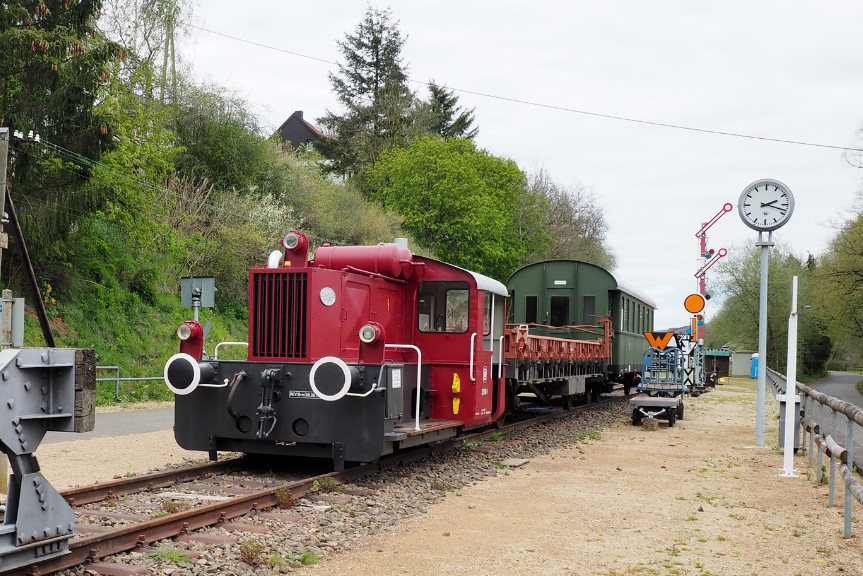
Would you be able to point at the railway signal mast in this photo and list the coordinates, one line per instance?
(706, 259)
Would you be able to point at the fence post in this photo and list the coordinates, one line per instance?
(833, 431)
(849, 443)
(819, 460)
(810, 401)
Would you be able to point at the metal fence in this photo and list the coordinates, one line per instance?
(830, 425)
(117, 379)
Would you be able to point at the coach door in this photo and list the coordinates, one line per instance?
(487, 350)
(558, 308)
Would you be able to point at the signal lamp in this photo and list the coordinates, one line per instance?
(291, 240)
(188, 330)
(369, 334)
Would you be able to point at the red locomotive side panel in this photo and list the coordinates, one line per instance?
(454, 328)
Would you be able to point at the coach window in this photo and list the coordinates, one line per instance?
(443, 307)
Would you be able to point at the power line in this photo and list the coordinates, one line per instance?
(553, 106)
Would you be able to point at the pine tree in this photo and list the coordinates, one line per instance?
(380, 110)
(448, 119)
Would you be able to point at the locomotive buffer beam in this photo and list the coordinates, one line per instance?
(41, 389)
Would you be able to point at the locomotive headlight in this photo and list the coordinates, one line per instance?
(291, 240)
(184, 332)
(190, 329)
(369, 334)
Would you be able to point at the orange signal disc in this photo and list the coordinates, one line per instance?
(694, 303)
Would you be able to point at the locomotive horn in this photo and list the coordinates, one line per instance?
(349, 374)
(183, 373)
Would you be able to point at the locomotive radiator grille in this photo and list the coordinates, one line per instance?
(279, 315)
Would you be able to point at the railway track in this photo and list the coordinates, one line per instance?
(133, 513)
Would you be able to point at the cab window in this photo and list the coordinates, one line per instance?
(443, 306)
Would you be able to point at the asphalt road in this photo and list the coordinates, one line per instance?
(120, 423)
(842, 385)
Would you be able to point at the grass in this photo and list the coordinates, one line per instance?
(325, 484)
(171, 507)
(169, 555)
(251, 552)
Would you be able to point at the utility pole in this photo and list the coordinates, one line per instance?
(4, 161)
(4, 243)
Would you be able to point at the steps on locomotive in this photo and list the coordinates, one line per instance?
(408, 429)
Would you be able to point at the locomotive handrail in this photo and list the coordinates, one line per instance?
(371, 274)
(216, 351)
(472, 346)
(419, 374)
(500, 359)
(364, 394)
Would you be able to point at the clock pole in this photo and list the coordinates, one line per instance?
(760, 399)
(764, 206)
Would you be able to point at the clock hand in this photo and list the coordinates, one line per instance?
(771, 203)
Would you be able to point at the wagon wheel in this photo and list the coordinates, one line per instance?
(672, 416)
(567, 401)
(500, 422)
(680, 410)
(636, 416)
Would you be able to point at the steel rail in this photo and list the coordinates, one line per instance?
(91, 549)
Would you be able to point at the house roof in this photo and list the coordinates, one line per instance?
(298, 117)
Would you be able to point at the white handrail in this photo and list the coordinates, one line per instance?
(216, 351)
(419, 374)
(364, 394)
(472, 346)
(500, 360)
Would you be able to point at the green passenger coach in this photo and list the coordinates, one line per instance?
(556, 293)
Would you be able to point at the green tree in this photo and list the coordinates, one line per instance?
(841, 283)
(456, 200)
(448, 119)
(737, 280)
(54, 64)
(223, 142)
(573, 222)
(147, 28)
(380, 111)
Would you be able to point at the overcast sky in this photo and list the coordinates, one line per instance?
(783, 69)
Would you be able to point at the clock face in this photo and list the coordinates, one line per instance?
(766, 205)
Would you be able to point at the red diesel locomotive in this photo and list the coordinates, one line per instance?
(365, 350)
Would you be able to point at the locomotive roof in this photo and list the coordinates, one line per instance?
(483, 282)
(488, 284)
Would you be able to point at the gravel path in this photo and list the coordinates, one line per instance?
(598, 496)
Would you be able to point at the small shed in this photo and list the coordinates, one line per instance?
(741, 362)
(718, 361)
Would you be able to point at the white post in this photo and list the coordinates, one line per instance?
(790, 397)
